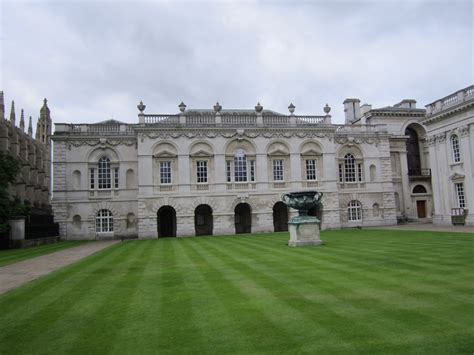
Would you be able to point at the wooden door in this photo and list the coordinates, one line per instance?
(421, 209)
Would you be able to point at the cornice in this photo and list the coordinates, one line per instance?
(448, 112)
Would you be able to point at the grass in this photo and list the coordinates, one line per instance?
(366, 291)
(14, 255)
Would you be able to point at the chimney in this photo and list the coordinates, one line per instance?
(351, 110)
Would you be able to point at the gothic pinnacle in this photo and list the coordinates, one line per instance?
(22, 121)
(12, 114)
(30, 128)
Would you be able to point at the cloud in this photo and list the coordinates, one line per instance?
(97, 60)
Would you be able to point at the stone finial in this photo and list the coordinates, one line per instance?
(182, 106)
(12, 114)
(22, 121)
(327, 109)
(258, 108)
(44, 112)
(217, 107)
(30, 128)
(141, 107)
(291, 108)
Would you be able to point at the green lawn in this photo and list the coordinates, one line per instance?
(365, 291)
(13, 255)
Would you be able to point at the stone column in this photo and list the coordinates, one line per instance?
(295, 167)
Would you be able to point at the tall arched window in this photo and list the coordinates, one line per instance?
(104, 176)
(104, 221)
(349, 168)
(455, 148)
(240, 166)
(354, 211)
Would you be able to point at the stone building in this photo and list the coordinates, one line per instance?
(33, 184)
(218, 171)
(449, 126)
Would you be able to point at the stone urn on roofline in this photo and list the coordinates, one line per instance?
(304, 229)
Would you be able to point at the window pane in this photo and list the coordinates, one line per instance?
(455, 148)
(165, 172)
(278, 170)
(349, 168)
(103, 172)
(92, 178)
(240, 166)
(460, 195)
(201, 171)
(252, 170)
(116, 178)
(310, 169)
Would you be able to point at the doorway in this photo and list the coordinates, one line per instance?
(203, 220)
(243, 218)
(166, 222)
(421, 208)
(280, 217)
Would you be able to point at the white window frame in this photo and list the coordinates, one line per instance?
(278, 170)
(166, 172)
(104, 174)
(354, 211)
(455, 148)
(104, 221)
(311, 169)
(202, 171)
(460, 196)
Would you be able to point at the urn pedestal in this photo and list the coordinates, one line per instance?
(304, 229)
(304, 233)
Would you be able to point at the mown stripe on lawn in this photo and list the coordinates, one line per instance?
(50, 298)
(365, 301)
(251, 317)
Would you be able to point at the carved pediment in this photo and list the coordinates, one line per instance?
(201, 153)
(311, 152)
(165, 154)
(278, 152)
(457, 176)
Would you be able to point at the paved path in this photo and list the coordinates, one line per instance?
(428, 227)
(17, 274)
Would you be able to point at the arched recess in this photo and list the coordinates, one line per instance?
(76, 180)
(419, 189)
(130, 179)
(243, 218)
(203, 220)
(166, 222)
(280, 217)
(373, 172)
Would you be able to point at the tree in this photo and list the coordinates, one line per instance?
(9, 169)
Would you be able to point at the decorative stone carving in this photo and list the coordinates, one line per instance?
(217, 107)
(464, 131)
(291, 108)
(258, 108)
(141, 107)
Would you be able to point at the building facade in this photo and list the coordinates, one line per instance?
(32, 186)
(204, 172)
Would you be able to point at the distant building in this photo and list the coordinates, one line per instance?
(203, 172)
(33, 184)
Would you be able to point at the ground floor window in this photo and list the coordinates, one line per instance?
(460, 195)
(354, 211)
(104, 221)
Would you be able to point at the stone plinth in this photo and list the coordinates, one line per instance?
(304, 232)
(17, 228)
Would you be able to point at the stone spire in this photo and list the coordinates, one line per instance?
(30, 128)
(12, 114)
(2, 106)
(22, 121)
(43, 127)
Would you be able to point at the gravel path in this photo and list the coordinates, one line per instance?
(427, 227)
(17, 274)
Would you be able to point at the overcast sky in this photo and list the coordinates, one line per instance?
(95, 60)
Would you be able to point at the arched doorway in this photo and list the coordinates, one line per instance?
(413, 152)
(280, 217)
(203, 220)
(243, 218)
(166, 222)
